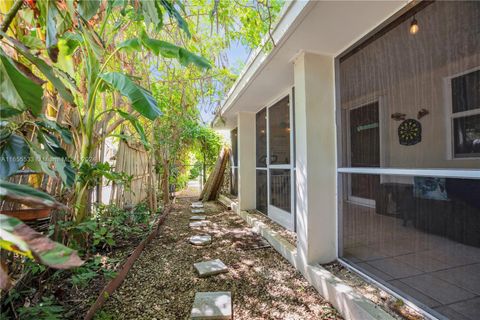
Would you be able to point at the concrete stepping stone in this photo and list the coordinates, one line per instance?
(197, 224)
(198, 210)
(212, 305)
(196, 205)
(201, 239)
(210, 268)
(198, 217)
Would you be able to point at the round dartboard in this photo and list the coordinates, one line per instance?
(410, 132)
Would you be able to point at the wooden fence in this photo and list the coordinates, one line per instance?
(134, 161)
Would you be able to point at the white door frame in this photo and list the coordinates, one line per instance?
(284, 218)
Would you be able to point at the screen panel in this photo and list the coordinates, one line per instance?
(262, 191)
(280, 186)
(279, 132)
(261, 138)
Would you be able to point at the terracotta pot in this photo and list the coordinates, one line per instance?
(28, 214)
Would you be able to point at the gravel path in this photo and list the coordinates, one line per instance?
(163, 282)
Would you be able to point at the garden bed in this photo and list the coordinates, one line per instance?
(163, 282)
(68, 294)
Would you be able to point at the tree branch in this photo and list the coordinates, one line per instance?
(10, 16)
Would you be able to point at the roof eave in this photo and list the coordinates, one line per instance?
(290, 16)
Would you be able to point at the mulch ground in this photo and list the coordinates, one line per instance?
(163, 282)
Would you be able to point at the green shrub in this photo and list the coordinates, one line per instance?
(45, 310)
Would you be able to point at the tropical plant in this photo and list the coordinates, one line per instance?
(46, 309)
(17, 237)
(73, 72)
(77, 31)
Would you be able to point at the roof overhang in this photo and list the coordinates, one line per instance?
(322, 27)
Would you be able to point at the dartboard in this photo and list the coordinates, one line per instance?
(410, 132)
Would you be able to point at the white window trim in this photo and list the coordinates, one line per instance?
(450, 116)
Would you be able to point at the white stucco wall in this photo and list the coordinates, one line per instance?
(246, 161)
(315, 158)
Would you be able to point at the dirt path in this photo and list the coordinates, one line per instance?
(163, 282)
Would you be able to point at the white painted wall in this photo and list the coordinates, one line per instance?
(315, 158)
(246, 161)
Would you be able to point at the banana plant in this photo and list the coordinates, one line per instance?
(69, 32)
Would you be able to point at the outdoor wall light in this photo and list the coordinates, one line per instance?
(414, 26)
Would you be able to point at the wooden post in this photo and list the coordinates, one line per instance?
(212, 186)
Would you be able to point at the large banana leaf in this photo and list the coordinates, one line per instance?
(43, 67)
(88, 8)
(133, 44)
(159, 47)
(14, 152)
(142, 101)
(51, 144)
(52, 125)
(16, 89)
(152, 13)
(173, 12)
(17, 237)
(40, 160)
(58, 156)
(169, 50)
(65, 170)
(137, 125)
(27, 195)
(6, 111)
(165, 49)
(186, 58)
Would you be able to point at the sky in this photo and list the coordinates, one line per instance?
(237, 55)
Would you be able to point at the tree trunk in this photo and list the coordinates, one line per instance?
(165, 180)
(81, 186)
(204, 174)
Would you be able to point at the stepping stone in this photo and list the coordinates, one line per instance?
(196, 205)
(198, 218)
(198, 210)
(212, 305)
(198, 224)
(201, 240)
(210, 268)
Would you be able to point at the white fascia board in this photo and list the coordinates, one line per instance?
(289, 17)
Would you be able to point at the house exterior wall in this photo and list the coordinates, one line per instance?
(317, 199)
